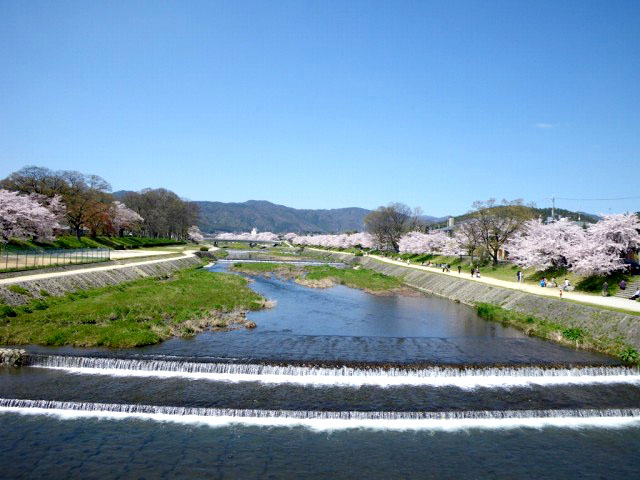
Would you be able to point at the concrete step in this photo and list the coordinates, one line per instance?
(631, 288)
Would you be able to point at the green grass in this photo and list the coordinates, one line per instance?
(70, 241)
(19, 290)
(262, 267)
(138, 313)
(363, 278)
(565, 334)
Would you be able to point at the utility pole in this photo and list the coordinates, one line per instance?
(553, 207)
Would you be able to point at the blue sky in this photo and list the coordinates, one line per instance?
(330, 104)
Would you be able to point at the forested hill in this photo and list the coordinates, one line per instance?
(267, 216)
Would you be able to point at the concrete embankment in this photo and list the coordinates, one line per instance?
(599, 322)
(21, 292)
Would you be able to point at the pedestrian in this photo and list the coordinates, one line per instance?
(459, 269)
(543, 282)
(636, 295)
(473, 270)
(566, 285)
(520, 276)
(605, 289)
(623, 285)
(553, 284)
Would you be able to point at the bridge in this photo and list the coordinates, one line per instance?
(240, 240)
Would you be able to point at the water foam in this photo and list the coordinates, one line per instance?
(465, 378)
(320, 420)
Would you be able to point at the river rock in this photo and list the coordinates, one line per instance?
(12, 357)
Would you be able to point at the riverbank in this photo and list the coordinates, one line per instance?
(605, 331)
(132, 314)
(324, 276)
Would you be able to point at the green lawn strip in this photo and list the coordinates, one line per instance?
(137, 313)
(72, 242)
(564, 334)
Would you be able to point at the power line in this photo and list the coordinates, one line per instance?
(598, 199)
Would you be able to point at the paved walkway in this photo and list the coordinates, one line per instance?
(595, 300)
(40, 276)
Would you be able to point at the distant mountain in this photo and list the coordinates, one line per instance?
(267, 216)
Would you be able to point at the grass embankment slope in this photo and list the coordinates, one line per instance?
(141, 312)
(571, 336)
(324, 276)
(118, 243)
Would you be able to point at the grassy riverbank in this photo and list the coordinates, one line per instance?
(323, 276)
(571, 336)
(72, 242)
(141, 312)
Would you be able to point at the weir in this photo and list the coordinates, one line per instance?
(334, 419)
(462, 377)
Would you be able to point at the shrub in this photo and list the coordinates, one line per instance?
(574, 334)
(7, 311)
(204, 249)
(44, 293)
(629, 355)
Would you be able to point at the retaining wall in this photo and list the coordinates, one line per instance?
(599, 322)
(83, 281)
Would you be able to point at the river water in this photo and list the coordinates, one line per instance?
(333, 383)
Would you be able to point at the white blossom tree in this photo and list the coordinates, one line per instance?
(23, 216)
(194, 234)
(547, 245)
(123, 218)
(607, 242)
(417, 242)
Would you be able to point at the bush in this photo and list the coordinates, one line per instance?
(574, 334)
(204, 249)
(7, 311)
(629, 355)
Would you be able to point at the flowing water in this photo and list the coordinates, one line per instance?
(332, 384)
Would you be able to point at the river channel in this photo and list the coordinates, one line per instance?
(333, 383)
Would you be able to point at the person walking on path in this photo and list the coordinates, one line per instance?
(473, 270)
(519, 278)
(605, 289)
(459, 269)
(623, 285)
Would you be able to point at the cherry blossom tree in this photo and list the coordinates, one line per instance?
(194, 234)
(545, 245)
(607, 242)
(123, 218)
(355, 240)
(23, 216)
(417, 242)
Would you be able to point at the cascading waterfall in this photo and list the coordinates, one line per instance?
(493, 377)
(333, 419)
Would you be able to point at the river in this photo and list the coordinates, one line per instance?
(333, 383)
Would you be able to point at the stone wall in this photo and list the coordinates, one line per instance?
(599, 322)
(83, 281)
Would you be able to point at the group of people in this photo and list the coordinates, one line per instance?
(553, 284)
(623, 286)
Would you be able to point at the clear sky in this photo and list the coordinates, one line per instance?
(325, 104)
